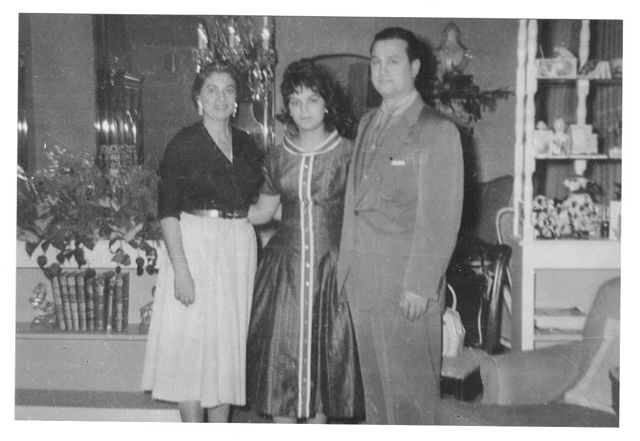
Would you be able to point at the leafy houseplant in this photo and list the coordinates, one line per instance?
(457, 95)
(71, 204)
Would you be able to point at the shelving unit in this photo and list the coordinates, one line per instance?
(585, 157)
(541, 257)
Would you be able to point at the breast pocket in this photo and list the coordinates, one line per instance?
(399, 180)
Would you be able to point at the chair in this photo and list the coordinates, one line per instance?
(505, 235)
(573, 384)
(477, 273)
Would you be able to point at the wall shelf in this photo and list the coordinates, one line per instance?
(24, 330)
(594, 157)
(596, 81)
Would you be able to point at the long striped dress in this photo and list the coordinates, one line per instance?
(301, 351)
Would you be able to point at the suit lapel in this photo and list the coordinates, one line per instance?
(374, 162)
(360, 151)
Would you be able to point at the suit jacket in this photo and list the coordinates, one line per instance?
(403, 205)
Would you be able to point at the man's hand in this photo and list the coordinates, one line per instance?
(184, 289)
(412, 305)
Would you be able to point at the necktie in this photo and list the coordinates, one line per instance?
(383, 123)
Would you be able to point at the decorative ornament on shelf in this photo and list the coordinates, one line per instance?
(562, 52)
(453, 56)
(563, 65)
(146, 312)
(576, 217)
(560, 140)
(613, 138)
(39, 303)
(454, 92)
(542, 137)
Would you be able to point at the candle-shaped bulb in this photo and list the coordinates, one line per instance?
(266, 36)
(203, 38)
(232, 36)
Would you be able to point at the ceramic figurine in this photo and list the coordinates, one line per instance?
(561, 140)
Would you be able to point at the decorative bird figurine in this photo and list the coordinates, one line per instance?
(563, 52)
(452, 54)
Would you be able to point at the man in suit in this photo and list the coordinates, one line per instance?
(402, 213)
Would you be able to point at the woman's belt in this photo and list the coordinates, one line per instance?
(235, 214)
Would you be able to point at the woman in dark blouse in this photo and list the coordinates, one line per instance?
(209, 175)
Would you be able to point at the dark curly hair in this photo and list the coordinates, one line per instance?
(305, 73)
(209, 69)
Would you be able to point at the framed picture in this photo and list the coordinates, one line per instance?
(583, 140)
(557, 67)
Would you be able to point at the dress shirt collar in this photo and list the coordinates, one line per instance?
(400, 106)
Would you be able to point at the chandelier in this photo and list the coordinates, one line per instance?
(244, 44)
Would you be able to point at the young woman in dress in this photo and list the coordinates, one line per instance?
(302, 361)
(209, 175)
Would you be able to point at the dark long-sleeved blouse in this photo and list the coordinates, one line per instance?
(195, 174)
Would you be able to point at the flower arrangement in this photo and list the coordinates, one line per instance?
(574, 218)
(71, 204)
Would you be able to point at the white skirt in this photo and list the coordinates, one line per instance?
(198, 352)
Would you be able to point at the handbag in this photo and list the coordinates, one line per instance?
(453, 331)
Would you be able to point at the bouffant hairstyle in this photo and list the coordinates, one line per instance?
(306, 73)
(209, 69)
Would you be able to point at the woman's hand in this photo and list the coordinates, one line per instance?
(183, 286)
(264, 209)
(184, 289)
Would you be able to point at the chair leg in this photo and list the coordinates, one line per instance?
(459, 390)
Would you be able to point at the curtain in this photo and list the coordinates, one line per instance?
(604, 103)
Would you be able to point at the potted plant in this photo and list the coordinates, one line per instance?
(71, 204)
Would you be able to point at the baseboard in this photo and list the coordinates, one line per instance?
(64, 405)
(62, 413)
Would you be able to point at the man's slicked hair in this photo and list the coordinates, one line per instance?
(397, 33)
